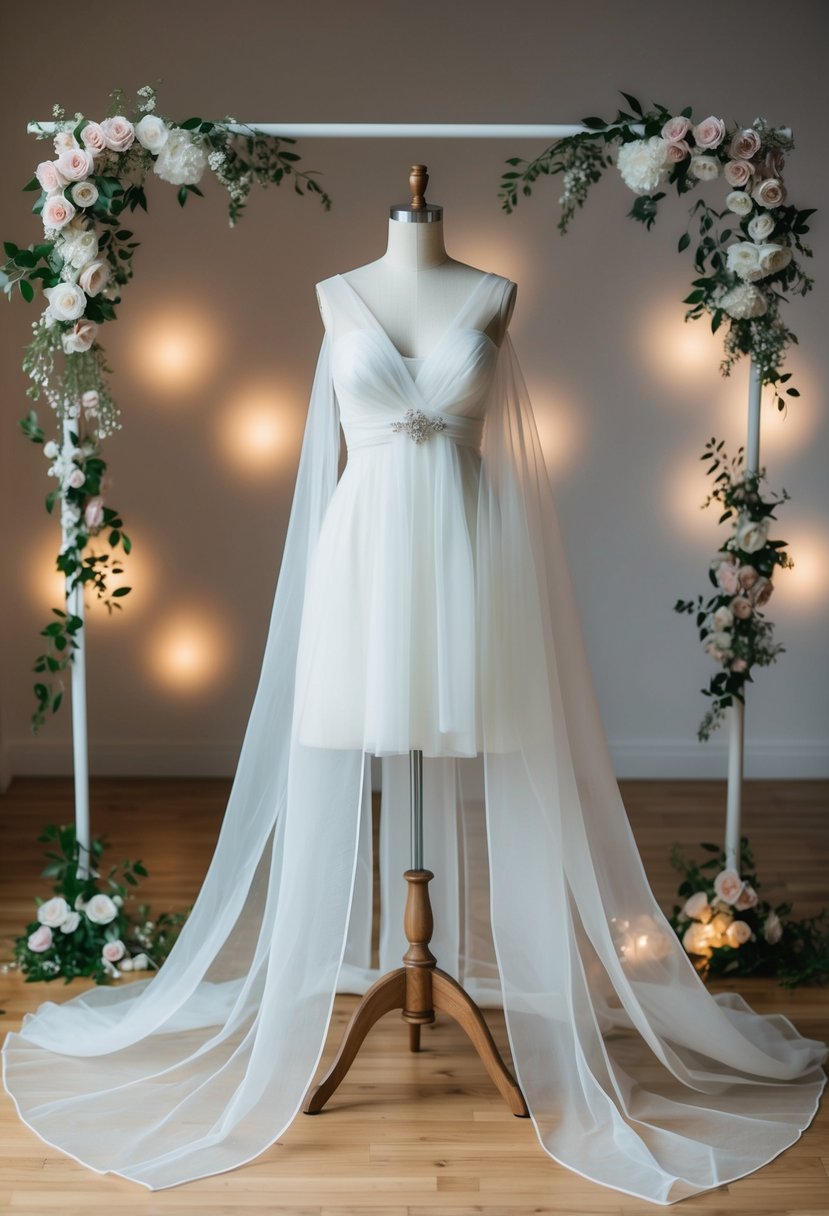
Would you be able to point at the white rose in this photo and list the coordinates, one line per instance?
(76, 478)
(53, 912)
(79, 246)
(739, 202)
(66, 301)
(723, 618)
(75, 164)
(152, 133)
(722, 639)
(51, 450)
(73, 919)
(728, 886)
(743, 301)
(751, 535)
(737, 933)
(697, 906)
(696, 939)
(180, 160)
(772, 928)
(57, 211)
(706, 168)
(94, 276)
(761, 226)
(101, 910)
(643, 164)
(80, 337)
(114, 951)
(84, 193)
(774, 258)
(743, 259)
(140, 962)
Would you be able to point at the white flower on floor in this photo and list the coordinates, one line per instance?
(773, 928)
(101, 910)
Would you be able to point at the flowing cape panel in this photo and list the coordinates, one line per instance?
(635, 1075)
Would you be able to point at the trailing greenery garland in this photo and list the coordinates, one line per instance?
(98, 174)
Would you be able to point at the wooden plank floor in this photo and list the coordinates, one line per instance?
(405, 1135)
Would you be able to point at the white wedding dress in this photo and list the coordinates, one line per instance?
(424, 600)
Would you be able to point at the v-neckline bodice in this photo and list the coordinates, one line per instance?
(421, 359)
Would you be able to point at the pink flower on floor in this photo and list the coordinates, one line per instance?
(113, 951)
(747, 899)
(728, 886)
(40, 940)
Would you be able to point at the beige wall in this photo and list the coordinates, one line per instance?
(624, 404)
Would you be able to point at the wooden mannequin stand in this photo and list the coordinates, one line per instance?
(419, 987)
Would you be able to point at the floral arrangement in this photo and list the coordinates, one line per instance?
(732, 627)
(727, 928)
(745, 257)
(84, 930)
(97, 174)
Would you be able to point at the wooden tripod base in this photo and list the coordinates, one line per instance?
(418, 988)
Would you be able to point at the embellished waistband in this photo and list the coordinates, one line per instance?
(418, 426)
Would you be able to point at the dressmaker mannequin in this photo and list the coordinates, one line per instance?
(415, 290)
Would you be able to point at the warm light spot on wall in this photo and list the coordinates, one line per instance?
(807, 583)
(138, 573)
(679, 350)
(789, 430)
(257, 429)
(175, 349)
(186, 653)
(560, 428)
(685, 489)
(47, 587)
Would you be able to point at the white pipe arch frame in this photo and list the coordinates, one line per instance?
(541, 131)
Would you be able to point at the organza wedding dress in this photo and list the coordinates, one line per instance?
(423, 601)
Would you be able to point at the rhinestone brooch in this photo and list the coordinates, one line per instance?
(418, 425)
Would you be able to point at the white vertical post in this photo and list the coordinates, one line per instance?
(736, 742)
(75, 607)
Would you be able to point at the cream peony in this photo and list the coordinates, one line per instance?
(739, 202)
(744, 301)
(75, 164)
(728, 886)
(101, 910)
(709, 133)
(774, 258)
(152, 133)
(78, 245)
(57, 211)
(80, 337)
(40, 940)
(737, 933)
(743, 258)
(180, 160)
(64, 140)
(118, 132)
(761, 226)
(643, 164)
(706, 168)
(745, 144)
(94, 276)
(770, 192)
(66, 301)
(751, 534)
(53, 912)
(93, 138)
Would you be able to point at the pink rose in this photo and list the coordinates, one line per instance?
(94, 513)
(728, 576)
(744, 144)
(50, 177)
(113, 951)
(741, 607)
(675, 129)
(770, 192)
(80, 336)
(773, 163)
(738, 172)
(739, 665)
(728, 886)
(709, 133)
(677, 149)
(94, 276)
(747, 899)
(93, 138)
(57, 211)
(748, 577)
(737, 933)
(75, 164)
(772, 928)
(760, 592)
(119, 133)
(40, 940)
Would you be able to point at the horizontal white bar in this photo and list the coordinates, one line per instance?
(397, 130)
